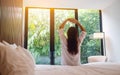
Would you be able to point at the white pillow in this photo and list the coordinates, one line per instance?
(97, 59)
(6, 43)
(15, 61)
(28, 54)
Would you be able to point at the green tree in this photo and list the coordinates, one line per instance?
(90, 20)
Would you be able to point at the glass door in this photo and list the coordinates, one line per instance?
(39, 34)
(60, 16)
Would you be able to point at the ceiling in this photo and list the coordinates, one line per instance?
(85, 4)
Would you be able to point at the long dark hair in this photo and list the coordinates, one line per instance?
(72, 41)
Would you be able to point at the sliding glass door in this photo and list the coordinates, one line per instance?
(90, 19)
(60, 16)
(39, 34)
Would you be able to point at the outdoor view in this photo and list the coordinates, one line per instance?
(39, 33)
(90, 19)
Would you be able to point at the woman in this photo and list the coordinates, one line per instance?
(70, 53)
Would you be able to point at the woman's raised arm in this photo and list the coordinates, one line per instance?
(73, 21)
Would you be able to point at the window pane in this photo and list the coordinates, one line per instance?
(90, 20)
(39, 34)
(60, 16)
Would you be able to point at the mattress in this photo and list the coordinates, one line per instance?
(86, 69)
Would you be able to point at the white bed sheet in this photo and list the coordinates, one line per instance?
(88, 69)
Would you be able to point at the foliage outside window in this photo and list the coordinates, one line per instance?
(90, 19)
(39, 34)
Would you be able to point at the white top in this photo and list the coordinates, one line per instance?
(67, 58)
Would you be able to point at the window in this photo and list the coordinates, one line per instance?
(60, 16)
(41, 36)
(90, 19)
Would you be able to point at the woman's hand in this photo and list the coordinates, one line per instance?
(70, 20)
(62, 25)
(76, 22)
(73, 20)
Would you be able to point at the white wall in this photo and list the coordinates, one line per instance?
(111, 27)
(85, 4)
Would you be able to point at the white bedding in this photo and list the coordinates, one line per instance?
(18, 61)
(88, 69)
(15, 60)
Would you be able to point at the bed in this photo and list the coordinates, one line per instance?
(86, 69)
(15, 60)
